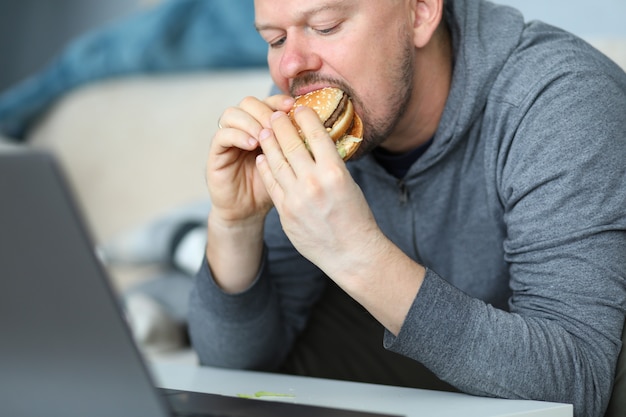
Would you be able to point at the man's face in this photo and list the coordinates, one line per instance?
(362, 46)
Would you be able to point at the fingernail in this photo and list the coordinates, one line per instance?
(277, 114)
(265, 133)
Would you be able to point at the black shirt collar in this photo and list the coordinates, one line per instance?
(398, 164)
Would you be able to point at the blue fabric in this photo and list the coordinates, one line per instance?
(179, 35)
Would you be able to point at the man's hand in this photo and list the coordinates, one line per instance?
(236, 190)
(239, 199)
(322, 210)
(328, 220)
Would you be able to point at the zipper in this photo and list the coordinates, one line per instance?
(404, 192)
(403, 197)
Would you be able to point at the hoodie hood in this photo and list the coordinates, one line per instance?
(483, 37)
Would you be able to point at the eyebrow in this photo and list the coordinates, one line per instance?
(330, 5)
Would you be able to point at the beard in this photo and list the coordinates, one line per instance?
(377, 128)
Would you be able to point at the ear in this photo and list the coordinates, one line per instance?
(427, 15)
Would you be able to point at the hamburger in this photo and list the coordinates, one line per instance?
(335, 109)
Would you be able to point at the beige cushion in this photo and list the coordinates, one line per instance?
(136, 147)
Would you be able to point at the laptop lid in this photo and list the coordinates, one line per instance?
(64, 347)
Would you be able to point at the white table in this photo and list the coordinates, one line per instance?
(339, 394)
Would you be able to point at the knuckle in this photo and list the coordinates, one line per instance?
(336, 176)
(248, 101)
(313, 187)
(228, 113)
(282, 166)
(291, 148)
(318, 133)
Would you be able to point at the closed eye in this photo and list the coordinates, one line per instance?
(323, 31)
(328, 31)
(278, 43)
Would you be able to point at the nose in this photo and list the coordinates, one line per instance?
(298, 57)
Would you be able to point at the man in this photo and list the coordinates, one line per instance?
(481, 223)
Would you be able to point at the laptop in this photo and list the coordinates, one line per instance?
(65, 346)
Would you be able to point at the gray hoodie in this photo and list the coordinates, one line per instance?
(517, 209)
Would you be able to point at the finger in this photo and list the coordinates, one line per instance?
(239, 118)
(278, 164)
(226, 138)
(293, 147)
(280, 102)
(252, 115)
(262, 111)
(319, 142)
(273, 188)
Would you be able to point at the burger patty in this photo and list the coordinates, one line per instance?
(335, 116)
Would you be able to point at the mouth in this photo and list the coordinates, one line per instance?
(300, 91)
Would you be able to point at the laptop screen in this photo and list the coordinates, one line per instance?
(65, 349)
